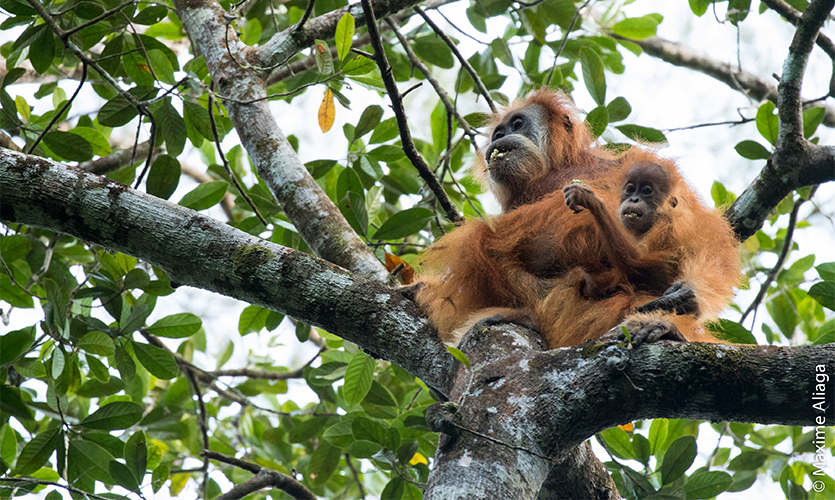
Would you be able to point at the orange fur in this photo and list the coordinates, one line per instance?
(483, 268)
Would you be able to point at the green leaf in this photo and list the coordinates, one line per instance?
(594, 75)
(699, 7)
(15, 343)
(324, 59)
(37, 451)
(17, 7)
(826, 271)
(252, 31)
(638, 28)
(752, 150)
(123, 475)
(404, 223)
(641, 448)
(162, 67)
(69, 146)
(176, 326)
(344, 36)
(678, 459)
(721, 196)
(369, 119)
(598, 118)
(136, 455)
(13, 247)
(358, 378)
(99, 143)
(157, 361)
(824, 292)
(42, 51)
(159, 477)
(205, 195)
(97, 369)
(748, 460)
(135, 320)
(502, 51)
(731, 331)
(369, 430)
(352, 206)
(171, 126)
(97, 343)
(86, 458)
(358, 66)
(738, 10)
(58, 363)
(164, 177)
(657, 434)
(116, 112)
(8, 443)
(433, 50)
(387, 153)
(460, 356)
(385, 131)
(364, 449)
(323, 462)
(618, 442)
(783, 313)
(618, 109)
(253, 319)
(642, 134)
(812, 117)
(113, 416)
(398, 489)
(707, 484)
(767, 122)
(11, 403)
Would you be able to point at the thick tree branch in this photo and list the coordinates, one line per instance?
(287, 43)
(738, 79)
(518, 409)
(796, 162)
(316, 217)
(199, 251)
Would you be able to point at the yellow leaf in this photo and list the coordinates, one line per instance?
(418, 459)
(178, 482)
(327, 112)
(628, 427)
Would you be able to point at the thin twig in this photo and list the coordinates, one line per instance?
(204, 427)
(105, 15)
(356, 475)
(416, 62)
(73, 489)
(66, 105)
(397, 105)
(464, 63)
(226, 166)
(564, 41)
(714, 124)
(151, 140)
(781, 259)
(305, 16)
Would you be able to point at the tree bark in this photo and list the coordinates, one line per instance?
(314, 215)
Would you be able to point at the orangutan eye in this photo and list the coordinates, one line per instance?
(517, 123)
